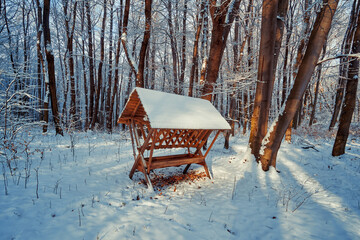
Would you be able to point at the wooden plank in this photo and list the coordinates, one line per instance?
(173, 162)
(171, 156)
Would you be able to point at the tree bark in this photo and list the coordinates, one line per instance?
(350, 92)
(343, 68)
(173, 48)
(132, 64)
(100, 67)
(86, 96)
(222, 20)
(183, 51)
(51, 67)
(110, 76)
(91, 63)
(144, 45)
(69, 47)
(317, 39)
(116, 79)
(299, 57)
(264, 85)
(194, 65)
(41, 66)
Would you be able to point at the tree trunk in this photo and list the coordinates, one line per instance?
(299, 57)
(110, 76)
(138, 70)
(290, 26)
(173, 48)
(132, 64)
(317, 39)
(69, 47)
(41, 66)
(222, 19)
(116, 80)
(350, 92)
(153, 64)
(232, 94)
(102, 55)
(144, 45)
(26, 51)
(86, 96)
(183, 51)
(264, 85)
(91, 63)
(345, 49)
(51, 67)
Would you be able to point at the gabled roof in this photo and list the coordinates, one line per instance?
(170, 111)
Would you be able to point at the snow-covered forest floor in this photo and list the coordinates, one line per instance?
(84, 191)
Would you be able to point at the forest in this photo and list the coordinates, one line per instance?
(284, 75)
(74, 63)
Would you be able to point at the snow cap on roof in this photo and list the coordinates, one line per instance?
(171, 111)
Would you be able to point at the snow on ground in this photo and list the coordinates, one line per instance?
(85, 193)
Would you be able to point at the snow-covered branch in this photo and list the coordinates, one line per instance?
(354, 55)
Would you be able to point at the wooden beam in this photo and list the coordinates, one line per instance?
(151, 151)
(206, 169)
(132, 142)
(135, 109)
(212, 143)
(141, 151)
(135, 157)
(202, 142)
(186, 168)
(170, 161)
(142, 131)
(135, 133)
(200, 139)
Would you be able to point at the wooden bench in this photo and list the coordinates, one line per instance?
(151, 133)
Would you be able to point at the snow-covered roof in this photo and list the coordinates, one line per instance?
(170, 111)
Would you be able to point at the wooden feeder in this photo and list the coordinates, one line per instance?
(159, 120)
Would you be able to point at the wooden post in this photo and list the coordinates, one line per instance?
(152, 150)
